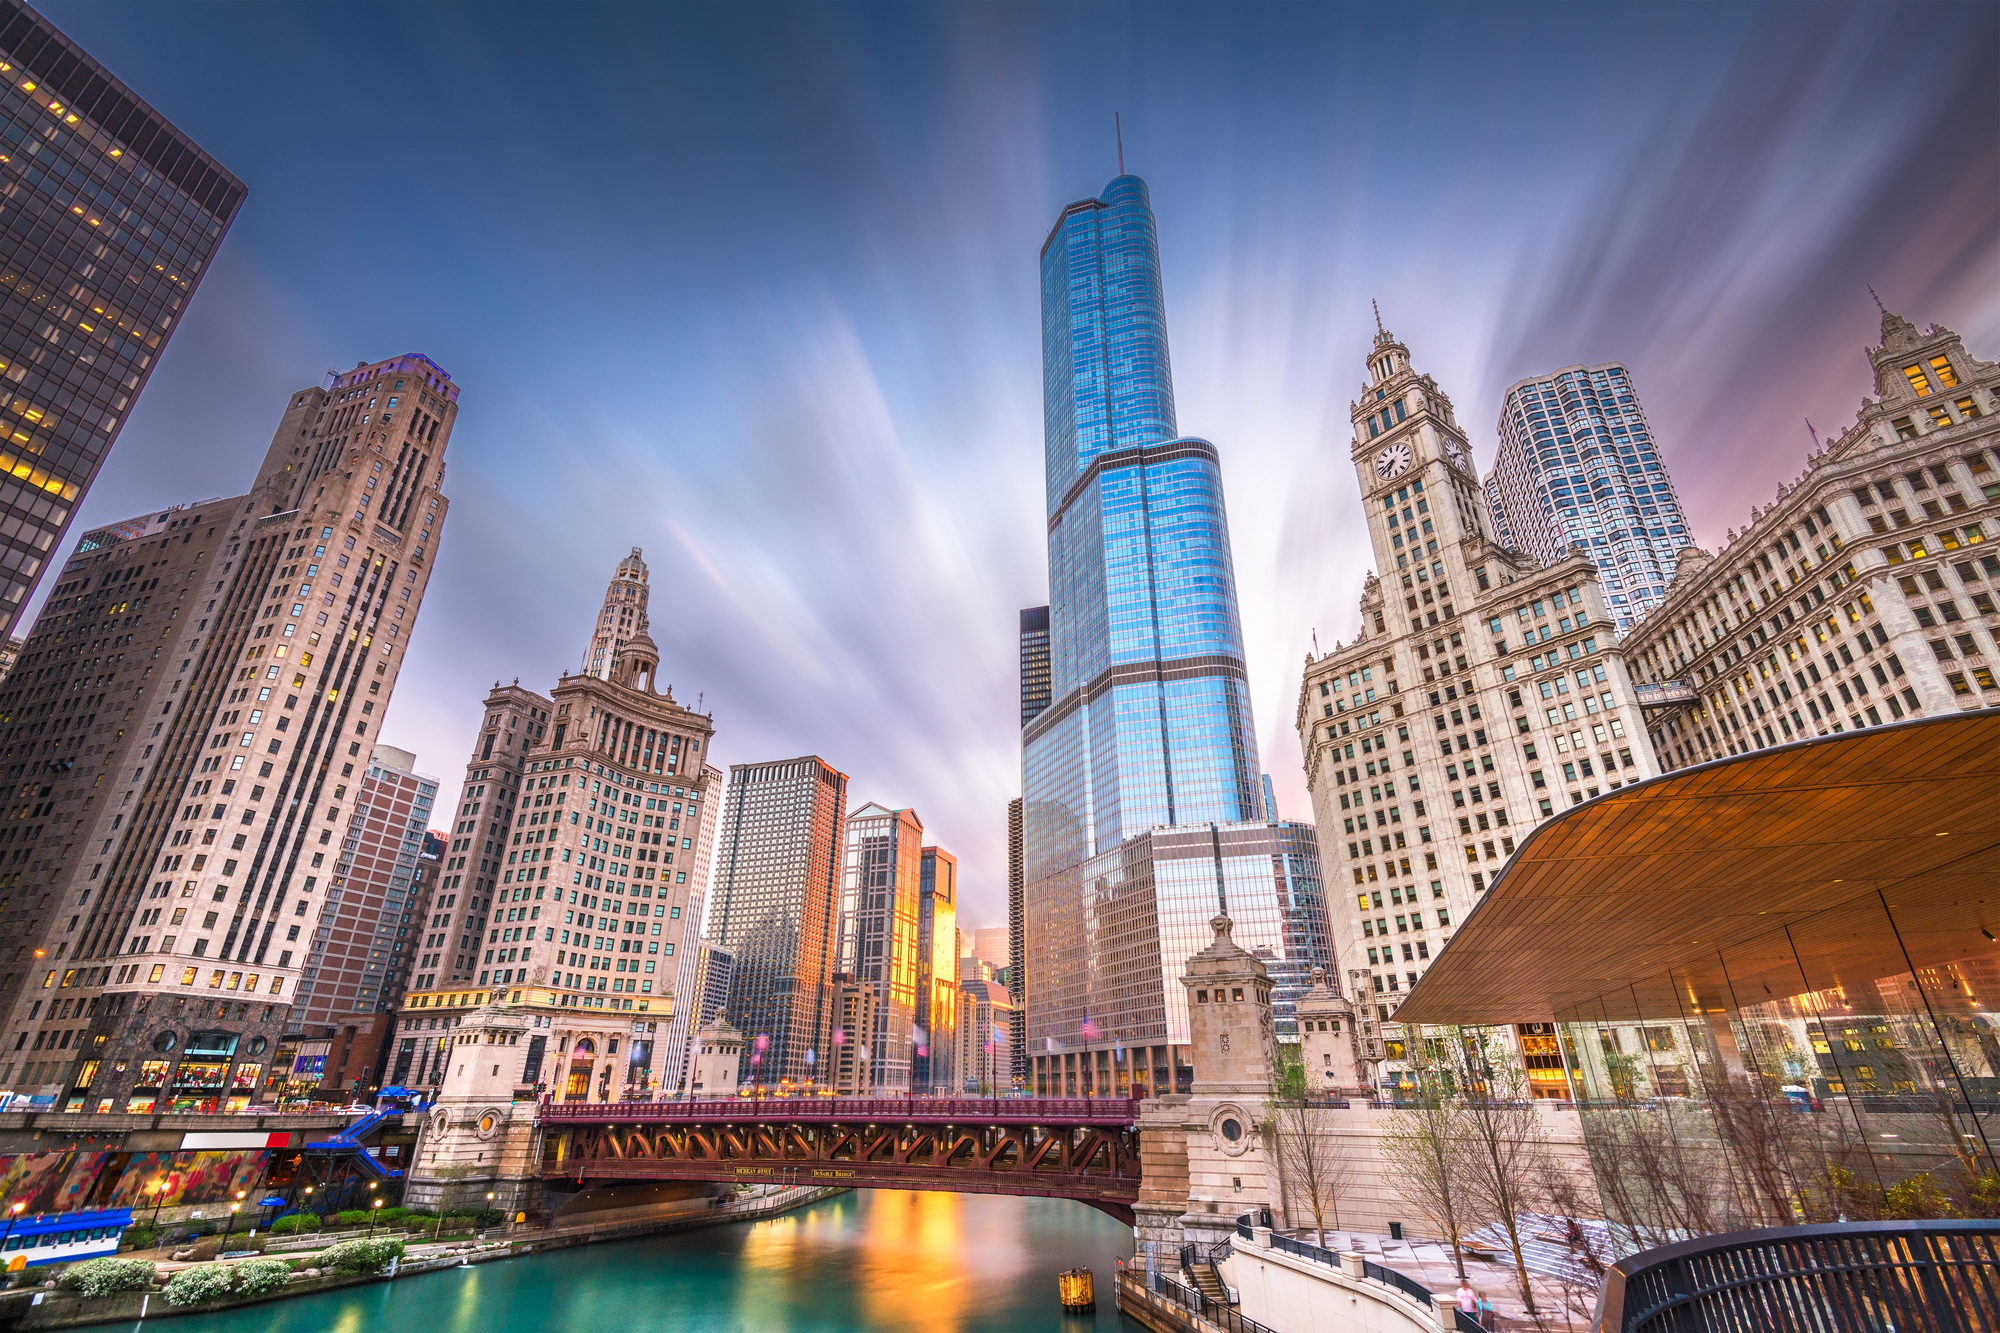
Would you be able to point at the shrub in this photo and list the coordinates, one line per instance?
(139, 1236)
(292, 1223)
(207, 1248)
(385, 1216)
(200, 1284)
(360, 1256)
(352, 1217)
(1916, 1197)
(254, 1277)
(102, 1277)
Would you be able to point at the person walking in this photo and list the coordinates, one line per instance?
(1468, 1300)
(1485, 1315)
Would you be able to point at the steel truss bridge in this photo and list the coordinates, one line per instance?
(1079, 1148)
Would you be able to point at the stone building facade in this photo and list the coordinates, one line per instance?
(1483, 693)
(1865, 593)
(183, 740)
(516, 719)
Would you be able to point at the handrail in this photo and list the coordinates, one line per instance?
(1914, 1275)
(1369, 1268)
(1222, 1316)
(886, 1110)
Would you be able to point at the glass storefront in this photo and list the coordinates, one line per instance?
(1793, 1081)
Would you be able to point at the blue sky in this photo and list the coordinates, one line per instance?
(754, 288)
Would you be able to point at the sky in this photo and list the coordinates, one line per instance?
(754, 288)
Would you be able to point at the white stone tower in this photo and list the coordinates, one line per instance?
(623, 616)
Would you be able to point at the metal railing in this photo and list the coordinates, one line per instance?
(874, 1110)
(1222, 1316)
(1193, 1253)
(1915, 1277)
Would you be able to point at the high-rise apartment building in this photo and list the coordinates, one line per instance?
(1866, 592)
(1149, 725)
(985, 1033)
(933, 1065)
(112, 218)
(881, 884)
(1579, 466)
(1017, 945)
(622, 616)
(409, 936)
(692, 986)
(449, 947)
(192, 716)
(1483, 693)
(370, 917)
(1034, 662)
(771, 904)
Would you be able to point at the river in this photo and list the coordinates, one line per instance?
(870, 1260)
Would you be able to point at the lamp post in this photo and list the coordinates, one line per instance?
(230, 1230)
(159, 1197)
(13, 1212)
(373, 1210)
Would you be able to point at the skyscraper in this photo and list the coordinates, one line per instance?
(1482, 692)
(934, 1066)
(771, 904)
(1017, 947)
(189, 869)
(623, 615)
(516, 720)
(1149, 725)
(881, 884)
(1034, 662)
(366, 926)
(1578, 466)
(112, 216)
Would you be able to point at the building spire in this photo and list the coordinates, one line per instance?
(1878, 300)
(1118, 129)
(1378, 314)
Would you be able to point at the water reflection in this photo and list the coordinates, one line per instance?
(872, 1260)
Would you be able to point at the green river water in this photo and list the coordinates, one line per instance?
(872, 1259)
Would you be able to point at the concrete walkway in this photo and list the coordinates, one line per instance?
(1559, 1305)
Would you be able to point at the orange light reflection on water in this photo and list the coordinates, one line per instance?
(917, 1260)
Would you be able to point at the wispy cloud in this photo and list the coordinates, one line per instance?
(755, 288)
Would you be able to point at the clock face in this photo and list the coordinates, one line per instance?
(1393, 461)
(1455, 452)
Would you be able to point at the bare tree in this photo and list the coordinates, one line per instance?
(1506, 1146)
(1307, 1154)
(1426, 1148)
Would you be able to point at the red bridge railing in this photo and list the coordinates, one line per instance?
(1104, 1111)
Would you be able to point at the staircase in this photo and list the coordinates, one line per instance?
(347, 1144)
(1203, 1277)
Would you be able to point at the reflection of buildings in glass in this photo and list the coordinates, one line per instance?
(881, 885)
(937, 974)
(1147, 725)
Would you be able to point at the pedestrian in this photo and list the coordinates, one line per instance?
(1485, 1315)
(1468, 1301)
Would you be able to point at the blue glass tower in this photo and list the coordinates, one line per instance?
(1148, 727)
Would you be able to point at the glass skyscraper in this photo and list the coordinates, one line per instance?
(111, 216)
(1578, 466)
(1148, 724)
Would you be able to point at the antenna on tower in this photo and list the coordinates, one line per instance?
(1118, 129)
(1878, 300)
(1378, 314)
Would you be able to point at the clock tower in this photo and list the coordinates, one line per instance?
(1483, 693)
(1425, 519)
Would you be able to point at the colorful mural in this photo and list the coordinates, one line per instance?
(67, 1181)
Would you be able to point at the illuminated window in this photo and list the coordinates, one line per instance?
(1941, 372)
(1940, 418)
(1915, 374)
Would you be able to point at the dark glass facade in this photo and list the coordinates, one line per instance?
(111, 217)
(772, 904)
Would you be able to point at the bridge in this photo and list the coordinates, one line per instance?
(1083, 1148)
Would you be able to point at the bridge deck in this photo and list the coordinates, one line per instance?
(1106, 1112)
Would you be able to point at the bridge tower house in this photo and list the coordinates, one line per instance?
(1329, 1045)
(1205, 1153)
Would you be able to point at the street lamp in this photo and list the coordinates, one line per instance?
(159, 1197)
(13, 1212)
(372, 1213)
(231, 1228)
